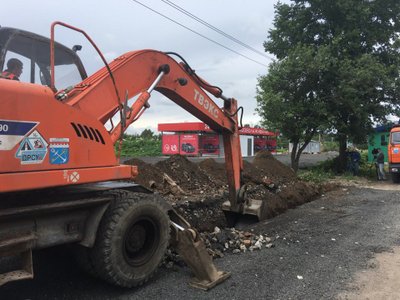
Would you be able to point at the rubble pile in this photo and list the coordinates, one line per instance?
(230, 240)
(223, 241)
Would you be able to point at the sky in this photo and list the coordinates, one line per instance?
(120, 26)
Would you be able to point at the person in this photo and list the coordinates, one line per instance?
(14, 69)
(355, 157)
(380, 160)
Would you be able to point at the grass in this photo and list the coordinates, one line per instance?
(325, 171)
(315, 175)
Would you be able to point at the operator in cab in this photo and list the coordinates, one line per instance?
(14, 69)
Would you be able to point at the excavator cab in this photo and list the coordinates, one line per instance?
(34, 52)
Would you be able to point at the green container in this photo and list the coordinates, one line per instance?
(379, 139)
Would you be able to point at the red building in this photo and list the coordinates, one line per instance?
(196, 139)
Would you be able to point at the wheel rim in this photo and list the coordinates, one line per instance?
(141, 241)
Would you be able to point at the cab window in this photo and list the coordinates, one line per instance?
(34, 52)
(395, 136)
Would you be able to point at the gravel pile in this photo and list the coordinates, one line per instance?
(230, 240)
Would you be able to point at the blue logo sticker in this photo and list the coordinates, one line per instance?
(32, 149)
(396, 150)
(59, 151)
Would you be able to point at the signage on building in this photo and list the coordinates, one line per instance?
(189, 144)
(209, 144)
(170, 144)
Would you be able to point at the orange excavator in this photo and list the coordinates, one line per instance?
(60, 179)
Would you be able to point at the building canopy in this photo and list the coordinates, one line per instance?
(200, 126)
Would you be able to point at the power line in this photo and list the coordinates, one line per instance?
(199, 34)
(182, 10)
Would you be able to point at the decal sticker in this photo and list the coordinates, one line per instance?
(12, 132)
(74, 177)
(32, 149)
(59, 151)
(396, 150)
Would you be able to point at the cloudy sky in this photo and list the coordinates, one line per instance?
(120, 26)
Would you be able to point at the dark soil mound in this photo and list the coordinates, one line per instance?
(298, 193)
(215, 170)
(198, 190)
(251, 174)
(273, 169)
(149, 175)
(186, 174)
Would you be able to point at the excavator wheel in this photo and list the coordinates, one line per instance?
(132, 239)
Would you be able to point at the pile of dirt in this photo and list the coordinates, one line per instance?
(149, 175)
(214, 170)
(273, 169)
(197, 191)
(186, 174)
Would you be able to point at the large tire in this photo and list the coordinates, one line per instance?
(132, 239)
(395, 177)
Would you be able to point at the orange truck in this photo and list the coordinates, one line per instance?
(60, 179)
(394, 153)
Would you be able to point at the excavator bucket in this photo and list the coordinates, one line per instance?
(241, 204)
(251, 207)
(192, 250)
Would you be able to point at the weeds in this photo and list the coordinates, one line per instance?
(326, 170)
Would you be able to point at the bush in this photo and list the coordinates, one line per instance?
(320, 173)
(330, 146)
(135, 146)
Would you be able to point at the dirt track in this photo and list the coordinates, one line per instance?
(323, 249)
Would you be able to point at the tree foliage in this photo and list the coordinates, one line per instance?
(144, 144)
(287, 99)
(355, 46)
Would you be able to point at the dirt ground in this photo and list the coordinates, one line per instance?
(197, 191)
(380, 282)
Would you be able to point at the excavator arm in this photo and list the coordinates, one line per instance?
(136, 75)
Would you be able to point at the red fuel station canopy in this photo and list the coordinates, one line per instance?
(199, 126)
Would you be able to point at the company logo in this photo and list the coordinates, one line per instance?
(204, 102)
(59, 151)
(32, 149)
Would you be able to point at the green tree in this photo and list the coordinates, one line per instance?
(287, 99)
(147, 133)
(357, 42)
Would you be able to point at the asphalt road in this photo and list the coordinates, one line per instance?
(306, 160)
(319, 247)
